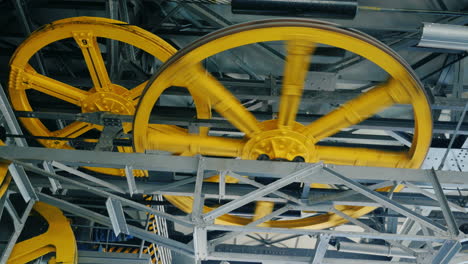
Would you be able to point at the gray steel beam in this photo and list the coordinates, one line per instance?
(105, 194)
(181, 119)
(22, 182)
(101, 219)
(232, 235)
(200, 238)
(270, 255)
(117, 216)
(372, 249)
(453, 136)
(433, 196)
(447, 251)
(94, 257)
(335, 233)
(14, 237)
(321, 246)
(2, 204)
(112, 10)
(132, 188)
(10, 118)
(386, 202)
(256, 168)
(87, 177)
(261, 186)
(55, 185)
(367, 228)
(19, 6)
(293, 177)
(448, 215)
(233, 191)
(198, 199)
(18, 174)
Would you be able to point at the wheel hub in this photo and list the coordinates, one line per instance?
(112, 101)
(279, 144)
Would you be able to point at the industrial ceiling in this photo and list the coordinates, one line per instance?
(218, 131)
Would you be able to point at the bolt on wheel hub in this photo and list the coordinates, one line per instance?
(109, 101)
(280, 143)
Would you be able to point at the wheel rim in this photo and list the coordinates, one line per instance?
(301, 36)
(103, 96)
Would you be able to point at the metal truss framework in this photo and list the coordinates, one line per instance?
(361, 181)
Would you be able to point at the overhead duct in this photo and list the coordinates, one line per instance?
(444, 36)
(337, 9)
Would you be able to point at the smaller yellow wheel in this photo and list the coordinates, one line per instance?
(58, 238)
(104, 95)
(284, 138)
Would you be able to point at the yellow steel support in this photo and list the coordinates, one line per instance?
(104, 95)
(285, 138)
(58, 238)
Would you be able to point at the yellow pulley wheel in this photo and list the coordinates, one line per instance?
(58, 238)
(284, 138)
(103, 96)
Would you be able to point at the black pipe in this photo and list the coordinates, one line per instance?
(338, 9)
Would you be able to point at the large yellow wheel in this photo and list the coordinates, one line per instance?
(284, 138)
(103, 96)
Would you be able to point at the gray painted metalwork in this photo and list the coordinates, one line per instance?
(117, 217)
(293, 177)
(386, 202)
(101, 219)
(55, 185)
(444, 36)
(132, 188)
(86, 176)
(93, 257)
(321, 246)
(448, 215)
(243, 167)
(205, 249)
(22, 182)
(18, 228)
(105, 194)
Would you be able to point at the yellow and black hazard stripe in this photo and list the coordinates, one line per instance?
(152, 250)
(131, 250)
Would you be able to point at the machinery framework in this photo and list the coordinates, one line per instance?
(286, 173)
(444, 241)
(430, 210)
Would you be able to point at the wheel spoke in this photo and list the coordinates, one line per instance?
(53, 87)
(355, 111)
(296, 68)
(74, 130)
(363, 157)
(188, 143)
(94, 61)
(221, 99)
(262, 209)
(135, 93)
